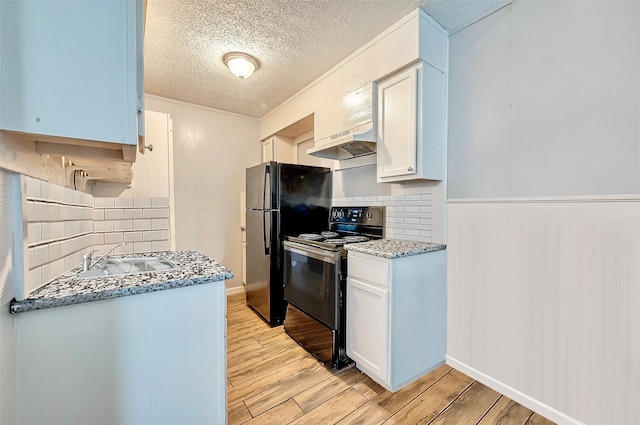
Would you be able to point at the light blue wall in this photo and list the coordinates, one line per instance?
(544, 100)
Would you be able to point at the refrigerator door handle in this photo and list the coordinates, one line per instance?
(264, 232)
(264, 187)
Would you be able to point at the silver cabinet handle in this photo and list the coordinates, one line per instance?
(410, 169)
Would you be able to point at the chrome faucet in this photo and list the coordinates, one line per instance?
(86, 259)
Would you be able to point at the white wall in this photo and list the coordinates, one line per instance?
(545, 102)
(211, 150)
(9, 183)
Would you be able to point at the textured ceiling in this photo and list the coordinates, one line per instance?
(295, 41)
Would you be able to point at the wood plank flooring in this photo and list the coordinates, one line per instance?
(272, 380)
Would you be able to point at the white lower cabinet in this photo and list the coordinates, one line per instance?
(148, 359)
(396, 316)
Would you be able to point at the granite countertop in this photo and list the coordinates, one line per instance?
(394, 248)
(193, 268)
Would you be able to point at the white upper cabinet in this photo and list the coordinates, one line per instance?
(411, 124)
(72, 69)
(279, 149)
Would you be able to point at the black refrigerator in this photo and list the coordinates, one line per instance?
(282, 200)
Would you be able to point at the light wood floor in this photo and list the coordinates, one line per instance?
(272, 380)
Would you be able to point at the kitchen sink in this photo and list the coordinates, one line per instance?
(130, 265)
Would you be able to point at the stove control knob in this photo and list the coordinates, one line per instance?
(341, 214)
(369, 216)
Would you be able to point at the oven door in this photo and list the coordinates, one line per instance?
(312, 281)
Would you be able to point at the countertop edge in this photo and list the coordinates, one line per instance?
(371, 249)
(221, 273)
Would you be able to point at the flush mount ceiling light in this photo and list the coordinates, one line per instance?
(240, 64)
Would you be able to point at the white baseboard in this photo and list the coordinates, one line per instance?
(235, 290)
(515, 395)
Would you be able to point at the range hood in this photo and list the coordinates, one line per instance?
(352, 143)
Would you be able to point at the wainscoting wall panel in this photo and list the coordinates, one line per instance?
(544, 303)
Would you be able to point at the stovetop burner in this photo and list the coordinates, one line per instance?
(346, 225)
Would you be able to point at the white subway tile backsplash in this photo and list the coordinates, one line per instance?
(78, 197)
(142, 247)
(151, 213)
(103, 202)
(133, 213)
(159, 223)
(68, 195)
(420, 239)
(65, 248)
(59, 229)
(53, 212)
(113, 238)
(35, 279)
(142, 224)
(123, 225)
(69, 263)
(47, 191)
(133, 236)
(77, 257)
(160, 246)
(58, 193)
(124, 202)
(142, 202)
(98, 215)
(114, 214)
(34, 233)
(407, 216)
(64, 224)
(34, 188)
(103, 226)
(151, 236)
(162, 202)
(58, 267)
(98, 239)
(41, 255)
(48, 273)
(39, 211)
(48, 232)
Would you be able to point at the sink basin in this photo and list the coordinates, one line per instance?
(130, 265)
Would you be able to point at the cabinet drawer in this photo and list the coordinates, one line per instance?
(369, 270)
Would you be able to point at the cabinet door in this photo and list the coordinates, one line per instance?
(70, 69)
(268, 150)
(397, 130)
(368, 327)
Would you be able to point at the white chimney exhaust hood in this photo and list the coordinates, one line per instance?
(345, 123)
(352, 143)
